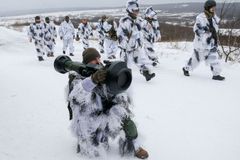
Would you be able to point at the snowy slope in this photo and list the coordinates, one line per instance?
(179, 118)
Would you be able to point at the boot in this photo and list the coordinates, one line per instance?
(64, 52)
(154, 61)
(218, 77)
(49, 55)
(71, 54)
(154, 64)
(40, 58)
(78, 148)
(102, 51)
(147, 75)
(52, 55)
(141, 153)
(185, 72)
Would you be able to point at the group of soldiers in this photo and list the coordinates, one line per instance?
(96, 114)
(133, 37)
(43, 34)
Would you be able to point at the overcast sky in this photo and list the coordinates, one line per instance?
(11, 5)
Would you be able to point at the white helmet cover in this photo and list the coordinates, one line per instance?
(150, 13)
(132, 5)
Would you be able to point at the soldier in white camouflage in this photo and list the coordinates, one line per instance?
(49, 37)
(111, 40)
(206, 42)
(151, 34)
(84, 32)
(101, 33)
(36, 34)
(130, 39)
(67, 34)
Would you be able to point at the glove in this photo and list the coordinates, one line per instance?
(61, 38)
(100, 76)
(211, 29)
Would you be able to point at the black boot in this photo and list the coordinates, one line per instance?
(147, 75)
(40, 58)
(64, 52)
(71, 54)
(218, 78)
(78, 148)
(185, 72)
(154, 64)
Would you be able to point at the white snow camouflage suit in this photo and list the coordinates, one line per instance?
(151, 33)
(36, 33)
(110, 42)
(67, 32)
(205, 45)
(49, 37)
(131, 43)
(101, 35)
(84, 32)
(93, 123)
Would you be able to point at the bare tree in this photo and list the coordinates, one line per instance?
(229, 40)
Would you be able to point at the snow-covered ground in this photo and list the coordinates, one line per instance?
(179, 118)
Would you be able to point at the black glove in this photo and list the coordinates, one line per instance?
(61, 38)
(100, 76)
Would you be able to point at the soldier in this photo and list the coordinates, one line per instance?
(101, 33)
(131, 40)
(36, 34)
(151, 33)
(206, 41)
(49, 37)
(84, 32)
(99, 115)
(110, 42)
(67, 34)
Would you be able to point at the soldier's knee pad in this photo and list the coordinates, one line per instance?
(130, 129)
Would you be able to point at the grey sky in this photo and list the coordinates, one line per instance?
(11, 5)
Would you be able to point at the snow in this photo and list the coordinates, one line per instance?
(8, 21)
(178, 118)
(226, 32)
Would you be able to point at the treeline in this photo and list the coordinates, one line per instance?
(169, 32)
